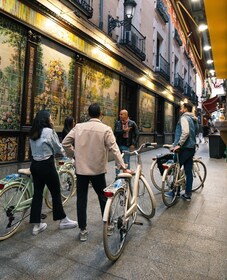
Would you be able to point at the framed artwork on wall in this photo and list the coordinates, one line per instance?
(146, 112)
(168, 123)
(101, 86)
(12, 61)
(55, 72)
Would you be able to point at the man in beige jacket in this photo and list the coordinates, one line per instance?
(90, 142)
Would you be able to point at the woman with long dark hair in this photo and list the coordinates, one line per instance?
(68, 125)
(45, 144)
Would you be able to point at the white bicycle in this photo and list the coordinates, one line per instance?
(122, 204)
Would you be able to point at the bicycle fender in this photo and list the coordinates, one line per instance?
(106, 210)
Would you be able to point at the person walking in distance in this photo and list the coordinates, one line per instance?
(127, 135)
(45, 144)
(90, 142)
(185, 141)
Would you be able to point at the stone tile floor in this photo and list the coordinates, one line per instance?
(186, 241)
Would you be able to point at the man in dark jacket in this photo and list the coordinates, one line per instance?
(127, 135)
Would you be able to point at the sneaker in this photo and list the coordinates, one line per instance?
(67, 223)
(186, 197)
(83, 235)
(110, 230)
(169, 194)
(39, 228)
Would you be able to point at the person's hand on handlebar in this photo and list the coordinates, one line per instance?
(175, 149)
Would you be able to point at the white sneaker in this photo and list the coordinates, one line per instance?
(39, 228)
(67, 223)
(83, 235)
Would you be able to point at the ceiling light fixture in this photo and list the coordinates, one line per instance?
(202, 27)
(206, 48)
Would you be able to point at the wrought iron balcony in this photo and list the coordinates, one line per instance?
(187, 90)
(162, 67)
(177, 37)
(83, 6)
(162, 10)
(134, 40)
(179, 82)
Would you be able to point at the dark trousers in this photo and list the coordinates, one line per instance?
(44, 173)
(186, 159)
(98, 183)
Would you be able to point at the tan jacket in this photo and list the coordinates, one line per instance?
(90, 143)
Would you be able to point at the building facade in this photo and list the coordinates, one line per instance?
(64, 55)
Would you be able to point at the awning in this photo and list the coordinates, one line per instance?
(210, 105)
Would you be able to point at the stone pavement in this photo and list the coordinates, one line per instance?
(186, 241)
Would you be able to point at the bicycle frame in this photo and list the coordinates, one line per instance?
(132, 196)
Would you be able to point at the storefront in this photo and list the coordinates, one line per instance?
(45, 63)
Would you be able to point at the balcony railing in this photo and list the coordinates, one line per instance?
(187, 90)
(84, 6)
(163, 67)
(177, 37)
(134, 40)
(162, 10)
(179, 82)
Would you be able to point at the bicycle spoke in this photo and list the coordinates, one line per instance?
(169, 190)
(11, 213)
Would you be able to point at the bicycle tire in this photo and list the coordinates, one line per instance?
(67, 186)
(115, 243)
(169, 191)
(146, 202)
(199, 172)
(11, 219)
(71, 167)
(156, 177)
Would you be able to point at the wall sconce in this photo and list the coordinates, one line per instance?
(129, 9)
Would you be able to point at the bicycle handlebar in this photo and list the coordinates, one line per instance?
(144, 145)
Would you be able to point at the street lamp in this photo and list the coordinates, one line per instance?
(129, 9)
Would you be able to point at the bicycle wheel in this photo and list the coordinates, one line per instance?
(67, 186)
(11, 212)
(155, 175)
(146, 202)
(71, 167)
(114, 241)
(169, 191)
(199, 172)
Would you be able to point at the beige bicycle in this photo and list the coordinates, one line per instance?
(122, 204)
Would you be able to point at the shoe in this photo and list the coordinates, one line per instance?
(67, 223)
(83, 235)
(39, 228)
(169, 194)
(186, 197)
(110, 230)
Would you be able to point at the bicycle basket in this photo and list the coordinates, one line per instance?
(161, 159)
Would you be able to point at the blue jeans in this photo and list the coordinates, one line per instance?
(126, 158)
(186, 159)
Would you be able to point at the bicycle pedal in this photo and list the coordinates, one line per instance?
(138, 223)
(43, 216)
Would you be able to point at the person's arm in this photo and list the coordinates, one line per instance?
(68, 143)
(56, 145)
(184, 131)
